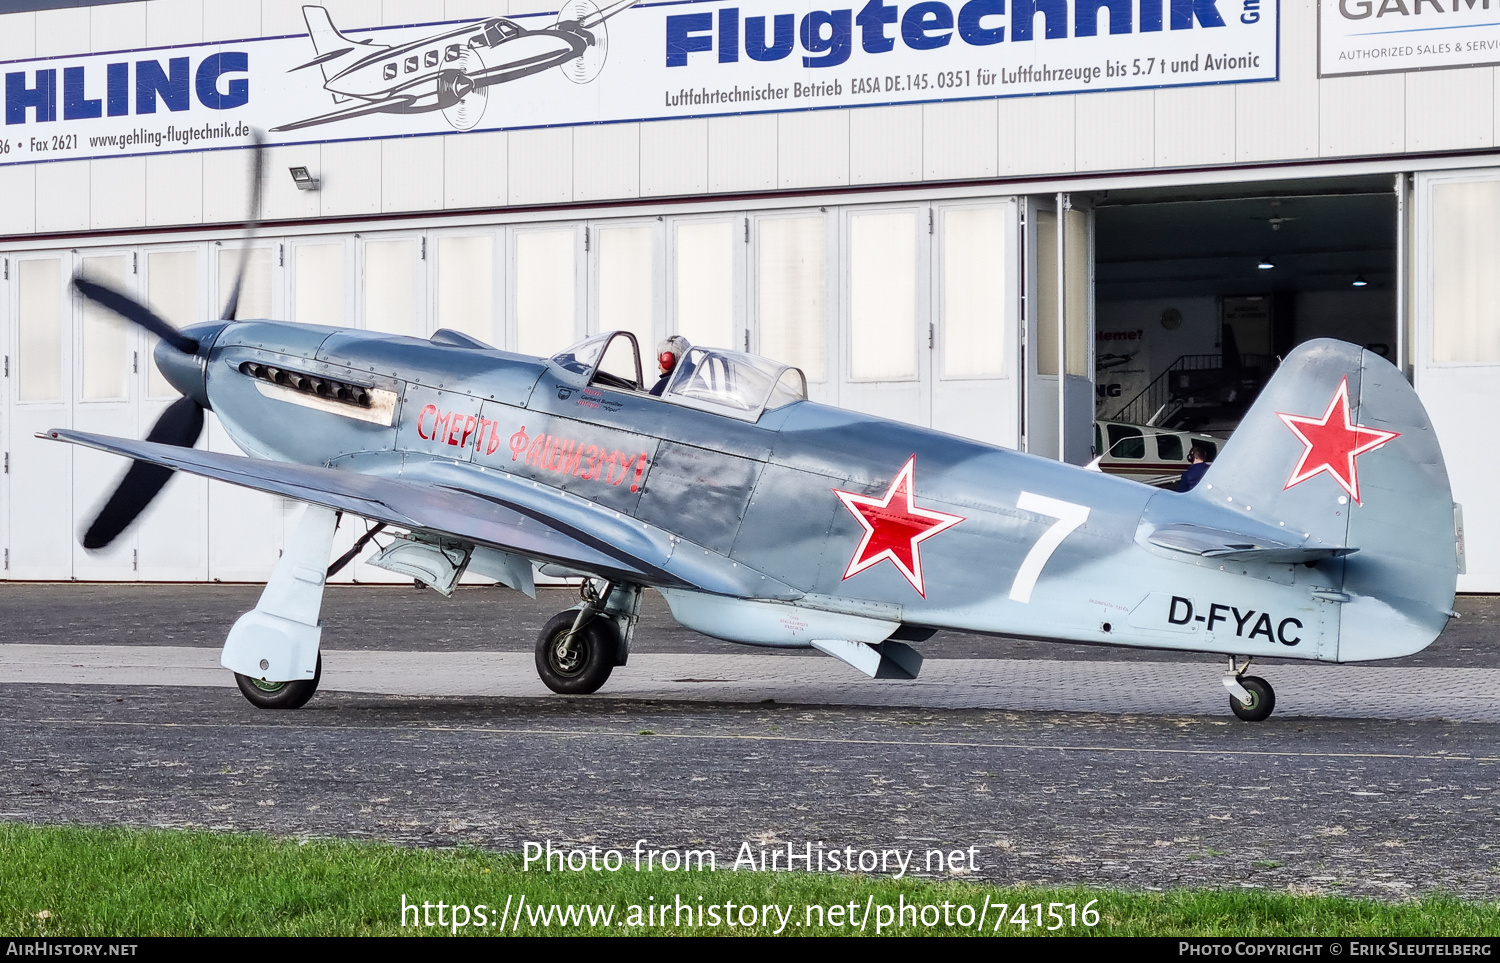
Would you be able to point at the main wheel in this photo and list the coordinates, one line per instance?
(280, 695)
(579, 665)
(1262, 700)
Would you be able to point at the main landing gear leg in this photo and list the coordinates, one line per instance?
(273, 649)
(1250, 697)
(579, 648)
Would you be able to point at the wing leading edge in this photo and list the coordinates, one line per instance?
(485, 507)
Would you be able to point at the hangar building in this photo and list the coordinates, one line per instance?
(1000, 220)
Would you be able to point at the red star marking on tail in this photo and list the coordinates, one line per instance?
(894, 527)
(1333, 443)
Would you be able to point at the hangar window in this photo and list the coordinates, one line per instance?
(172, 289)
(104, 341)
(883, 296)
(705, 281)
(466, 285)
(391, 290)
(255, 294)
(40, 334)
(973, 305)
(318, 283)
(627, 280)
(389, 72)
(1465, 285)
(793, 291)
(546, 289)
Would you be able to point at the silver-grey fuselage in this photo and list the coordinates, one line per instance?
(1041, 549)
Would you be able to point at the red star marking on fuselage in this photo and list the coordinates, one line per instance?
(894, 527)
(1332, 443)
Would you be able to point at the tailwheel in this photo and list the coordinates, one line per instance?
(1262, 699)
(280, 695)
(576, 652)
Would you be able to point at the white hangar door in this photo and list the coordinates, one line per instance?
(172, 534)
(106, 400)
(40, 349)
(1059, 310)
(1456, 357)
(246, 526)
(6, 326)
(974, 337)
(792, 291)
(886, 334)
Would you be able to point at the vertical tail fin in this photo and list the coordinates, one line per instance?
(325, 36)
(331, 46)
(1339, 450)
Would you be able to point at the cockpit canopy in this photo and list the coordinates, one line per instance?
(729, 383)
(495, 32)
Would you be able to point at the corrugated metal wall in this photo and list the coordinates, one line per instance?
(1297, 118)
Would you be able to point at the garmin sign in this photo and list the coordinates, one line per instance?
(618, 62)
(1388, 36)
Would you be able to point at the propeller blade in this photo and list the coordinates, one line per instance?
(252, 222)
(179, 425)
(134, 311)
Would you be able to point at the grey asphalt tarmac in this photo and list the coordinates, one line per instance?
(496, 619)
(1386, 795)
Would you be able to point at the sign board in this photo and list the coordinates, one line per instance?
(625, 62)
(1389, 36)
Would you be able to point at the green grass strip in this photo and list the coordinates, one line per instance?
(75, 881)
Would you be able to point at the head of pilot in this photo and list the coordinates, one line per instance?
(669, 352)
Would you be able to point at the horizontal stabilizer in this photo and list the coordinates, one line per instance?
(323, 58)
(1238, 546)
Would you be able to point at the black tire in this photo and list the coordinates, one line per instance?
(280, 695)
(587, 663)
(1262, 700)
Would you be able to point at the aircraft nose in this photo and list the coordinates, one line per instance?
(185, 371)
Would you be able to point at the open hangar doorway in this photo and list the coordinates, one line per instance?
(1200, 291)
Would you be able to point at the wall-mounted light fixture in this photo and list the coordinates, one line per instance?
(304, 180)
(1359, 281)
(1265, 264)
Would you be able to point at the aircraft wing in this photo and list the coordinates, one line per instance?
(620, 6)
(360, 109)
(485, 507)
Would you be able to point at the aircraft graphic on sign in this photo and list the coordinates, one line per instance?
(453, 70)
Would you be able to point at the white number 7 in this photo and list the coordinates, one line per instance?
(1069, 517)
